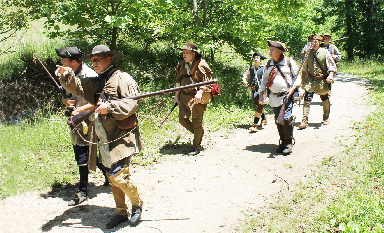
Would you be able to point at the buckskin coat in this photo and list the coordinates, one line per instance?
(119, 85)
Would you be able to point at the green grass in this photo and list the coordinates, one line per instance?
(35, 156)
(346, 194)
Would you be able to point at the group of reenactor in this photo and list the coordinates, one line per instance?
(105, 88)
(279, 83)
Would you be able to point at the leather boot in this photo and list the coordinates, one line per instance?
(304, 121)
(288, 135)
(280, 129)
(326, 111)
(135, 216)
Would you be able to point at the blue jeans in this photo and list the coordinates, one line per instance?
(288, 109)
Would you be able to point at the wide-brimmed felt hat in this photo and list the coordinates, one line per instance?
(103, 49)
(318, 37)
(280, 45)
(70, 52)
(190, 46)
(259, 55)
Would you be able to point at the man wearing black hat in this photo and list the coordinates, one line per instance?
(117, 143)
(193, 69)
(317, 73)
(254, 75)
(279, 80)
(85, 154)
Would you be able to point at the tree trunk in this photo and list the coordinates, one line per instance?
(349, 22)
(114, 38)
(195, 13)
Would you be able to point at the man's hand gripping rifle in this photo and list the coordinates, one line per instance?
(74, 121)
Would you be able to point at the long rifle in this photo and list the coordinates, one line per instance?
(343, 38)
(63, 92)
(75, 120)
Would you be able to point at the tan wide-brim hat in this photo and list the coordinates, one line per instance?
(327, 34)
(103, 49)
(280, 45)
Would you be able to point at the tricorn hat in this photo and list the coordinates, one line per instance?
(103, 49)
(259, 55)
(69, 52)
(280, 45)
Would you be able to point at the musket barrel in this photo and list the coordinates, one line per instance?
(75, 120)
(162, 92)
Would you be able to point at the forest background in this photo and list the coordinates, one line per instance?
(148, 33)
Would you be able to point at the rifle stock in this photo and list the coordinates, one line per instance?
(77, 119)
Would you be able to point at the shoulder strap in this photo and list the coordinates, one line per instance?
(193, 68)
(282, 74)
(268, 64)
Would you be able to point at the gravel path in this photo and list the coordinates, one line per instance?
(212, 192)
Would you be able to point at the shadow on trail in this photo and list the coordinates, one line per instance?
(175, 148)
(262, 148)
(67, 192)
(83, 217)
(310, 125)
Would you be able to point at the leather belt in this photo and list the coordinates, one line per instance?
(279, 94)
(193, 92)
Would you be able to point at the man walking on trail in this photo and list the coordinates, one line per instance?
(317, 73)
(193, 69)
(279, 83)
(108, 91)
(253, 75)
(333, 50)
(85, 154)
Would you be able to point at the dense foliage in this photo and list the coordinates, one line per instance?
(361, 21)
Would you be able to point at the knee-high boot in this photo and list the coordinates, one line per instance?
(306, 108)
(83, 170)
(326, 110)
(288, 135)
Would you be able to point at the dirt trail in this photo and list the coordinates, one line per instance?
(212, 192)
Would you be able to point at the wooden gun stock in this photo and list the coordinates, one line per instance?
(77, 119)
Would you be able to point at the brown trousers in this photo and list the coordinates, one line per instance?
(196, 125)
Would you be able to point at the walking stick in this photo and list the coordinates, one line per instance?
(169, 113)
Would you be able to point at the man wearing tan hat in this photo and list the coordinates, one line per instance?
(279, 84)
(333, 50)
(116, 144)
(193, 69)
(317, 74)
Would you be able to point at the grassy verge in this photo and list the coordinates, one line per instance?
(346, 193)
(34, 156)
